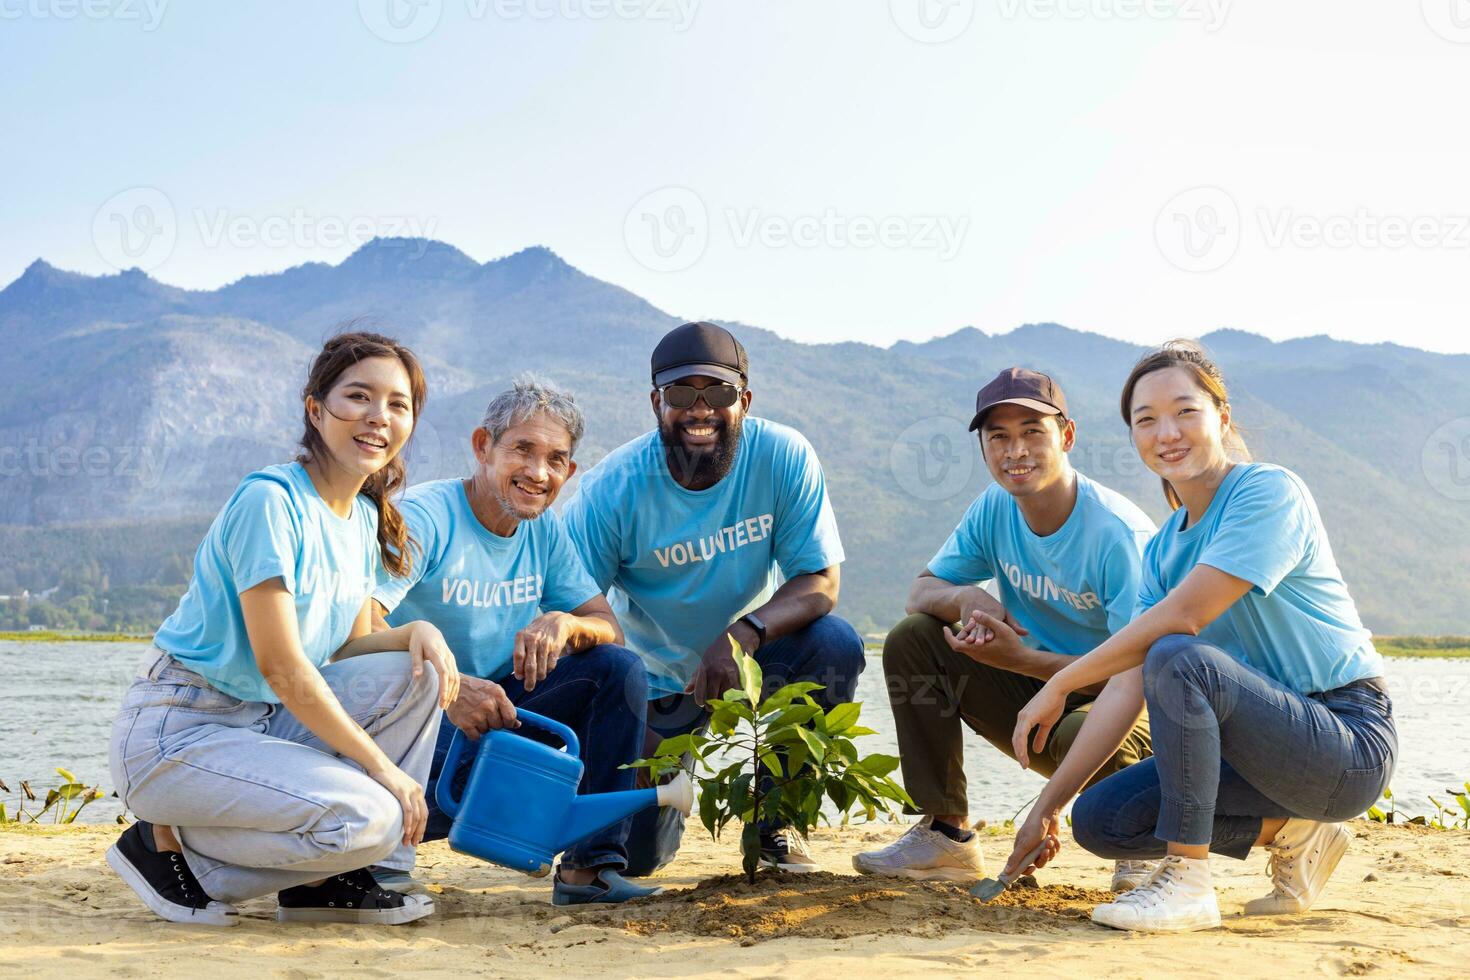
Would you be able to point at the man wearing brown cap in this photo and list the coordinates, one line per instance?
(1065, 553)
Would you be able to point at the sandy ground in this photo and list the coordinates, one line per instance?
(1398, 905)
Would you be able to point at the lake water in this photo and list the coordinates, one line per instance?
(57, 702)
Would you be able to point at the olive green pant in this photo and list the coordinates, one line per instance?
(934, 690)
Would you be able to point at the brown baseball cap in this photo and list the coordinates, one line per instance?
(1020, 386)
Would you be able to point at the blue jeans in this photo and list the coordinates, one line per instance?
(601, 694)
(1233, 747)
(828, 651)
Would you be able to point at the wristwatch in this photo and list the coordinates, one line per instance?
(753, 621)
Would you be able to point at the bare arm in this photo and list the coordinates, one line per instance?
(950, 603)
(800, 601)
(546, 638)
(1195, 603)
(270, 625)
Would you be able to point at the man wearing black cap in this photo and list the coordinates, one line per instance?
(687, 528)
(1066, 554)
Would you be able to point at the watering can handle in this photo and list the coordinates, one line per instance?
(554, 727)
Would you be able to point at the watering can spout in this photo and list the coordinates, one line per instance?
(594, 811)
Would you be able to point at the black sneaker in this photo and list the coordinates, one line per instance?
(352, 897)
(164, 882)
(786, 852)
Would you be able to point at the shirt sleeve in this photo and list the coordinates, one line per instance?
(261, 536)
(595, 543)
(1265, 531)
(567, 584)
(806, 537)
(965, 559)
(427, 549)
(1121, 579)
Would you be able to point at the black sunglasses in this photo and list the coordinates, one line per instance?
(715, 396)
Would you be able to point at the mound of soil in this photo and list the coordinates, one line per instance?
(829, 906)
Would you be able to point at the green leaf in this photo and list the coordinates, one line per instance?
(750, 847)
(740, 796)
(3, 817)
(876, 764)
(796, 714)
(815, 743)
(65, 775)
(772, 761)
(842, 717)
(750, 672)
(857, 731)
(782, 697)
(709, 806)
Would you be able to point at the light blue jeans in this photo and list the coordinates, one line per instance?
(1233, 747)
(258, 802)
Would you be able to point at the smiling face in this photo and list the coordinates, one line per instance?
(366, 416)
(525, 468)
(1177, 428)
(1026, 450)
(700, 442)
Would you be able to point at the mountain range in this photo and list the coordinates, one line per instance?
(135, 407)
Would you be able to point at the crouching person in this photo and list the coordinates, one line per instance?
(1065, 552)
(253, 764)
(499, 577)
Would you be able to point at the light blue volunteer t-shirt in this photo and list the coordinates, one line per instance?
(479, 588)
(1072, 588)
(1297, 624)
(275, 526)
(681, 565)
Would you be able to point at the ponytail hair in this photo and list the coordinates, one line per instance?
(1191, 357)
(337, 355)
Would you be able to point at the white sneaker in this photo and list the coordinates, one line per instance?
(926, 854)
(1130, 874)
(1303, 856)
(1177, 897)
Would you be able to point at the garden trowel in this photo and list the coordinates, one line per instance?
(988, 889)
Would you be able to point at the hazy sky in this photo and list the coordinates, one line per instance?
(831, 169)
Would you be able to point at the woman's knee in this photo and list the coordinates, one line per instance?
(1114, 819)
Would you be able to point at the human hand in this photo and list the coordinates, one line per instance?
(539, 646)
(410, 796)
(1040, 825)
(425, 642)
(1042, 712)
(482, 706)
(988, 640)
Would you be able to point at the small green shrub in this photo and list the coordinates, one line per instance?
(57, 802)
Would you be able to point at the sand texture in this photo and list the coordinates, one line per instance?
(1399, 905)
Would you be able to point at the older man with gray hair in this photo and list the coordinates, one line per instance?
(495, 572)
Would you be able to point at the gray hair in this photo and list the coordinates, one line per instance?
(529, 396)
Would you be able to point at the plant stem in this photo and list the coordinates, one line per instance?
(756, 780)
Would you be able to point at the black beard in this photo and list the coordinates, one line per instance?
(701, 469)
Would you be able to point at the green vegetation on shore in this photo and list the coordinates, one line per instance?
(1441, 647)
(48, 636)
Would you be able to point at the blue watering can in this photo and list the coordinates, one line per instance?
(520, 805)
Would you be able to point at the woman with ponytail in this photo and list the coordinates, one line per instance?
(1270, 720)
(272, 742)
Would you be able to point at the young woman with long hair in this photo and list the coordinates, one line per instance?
(1271, 723)
(260, 749)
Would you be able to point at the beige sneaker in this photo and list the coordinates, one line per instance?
(1303, 856)
(1177, 897)
(925, 854)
